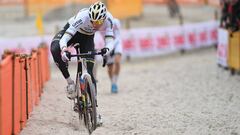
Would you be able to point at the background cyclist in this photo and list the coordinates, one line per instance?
(114, 57)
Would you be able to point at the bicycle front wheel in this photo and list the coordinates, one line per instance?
(78, 99)
(90, 114)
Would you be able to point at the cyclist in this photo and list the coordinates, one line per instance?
(80, 29)
(114, 57)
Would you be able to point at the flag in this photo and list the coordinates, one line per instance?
(39, 23)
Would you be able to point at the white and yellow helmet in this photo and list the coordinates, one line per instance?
(97, 11)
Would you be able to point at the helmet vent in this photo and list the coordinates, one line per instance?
(100, 17)
(96, 16)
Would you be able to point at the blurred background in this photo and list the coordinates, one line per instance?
(41, 19)
(18, 16)
(177, 57)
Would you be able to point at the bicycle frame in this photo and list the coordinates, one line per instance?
(84, 75)
(84, 72)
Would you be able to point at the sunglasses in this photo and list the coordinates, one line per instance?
(99, 22)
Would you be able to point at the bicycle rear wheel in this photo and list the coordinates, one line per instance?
(90, 114)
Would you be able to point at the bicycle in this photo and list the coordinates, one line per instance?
(85, 100)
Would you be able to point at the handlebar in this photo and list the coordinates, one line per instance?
(86, 54)
(91, 54)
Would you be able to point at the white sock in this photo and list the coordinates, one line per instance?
(69, 80)
(114, 79)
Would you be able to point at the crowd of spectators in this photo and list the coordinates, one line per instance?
(230, 15)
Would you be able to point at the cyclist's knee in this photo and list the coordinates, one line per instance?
(117, 64)
(117, 58)
(56, 52)
(55, 48)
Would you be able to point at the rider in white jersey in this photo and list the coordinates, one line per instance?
(114, 57)
(81, 29)
(82, 23)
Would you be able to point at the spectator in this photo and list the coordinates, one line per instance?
(230, 14)
(174, 10)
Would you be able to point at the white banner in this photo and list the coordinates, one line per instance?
(141, 42)
(157, 41)
(222, 47)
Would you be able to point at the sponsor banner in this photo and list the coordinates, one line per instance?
(162, 41)
(191, 37)
(200, 35)
(222, 47)
(157, 41)
(141, 42)
(177, 37)
(207, 34)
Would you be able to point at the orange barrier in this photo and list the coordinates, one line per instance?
(23, 93)
(21, 81)
(6, 79)
(29, 98)
(41, 68)
(34, 78)
(38, 81)
(44, 65)
(16, 96)
(47, 63)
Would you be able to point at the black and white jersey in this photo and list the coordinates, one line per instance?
(81, 23)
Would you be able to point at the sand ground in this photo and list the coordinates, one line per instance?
(171, 95)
